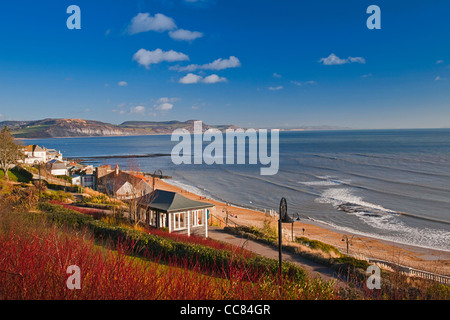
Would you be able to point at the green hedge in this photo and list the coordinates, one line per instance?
(168, 249)
(317, 245)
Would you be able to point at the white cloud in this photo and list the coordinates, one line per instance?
(164, 104)
(275, 88)
(146, 58)
(191, 78)
(166, 99)
(143, 22)
(219, 64)
(439, 61)
(298, 83)
(333, 59)
(122, 84)
(276, 75)
(366, 75)
(185, 35)
(357, 59)
(137, 110)
(439, 78)
(214, 78)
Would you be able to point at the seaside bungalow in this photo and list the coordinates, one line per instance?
(123, 185)
(175, 212)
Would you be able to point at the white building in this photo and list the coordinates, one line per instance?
(57, 168)
(53, 154)
(84, 180)
(34, 153)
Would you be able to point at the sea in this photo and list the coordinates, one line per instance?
(393, 185)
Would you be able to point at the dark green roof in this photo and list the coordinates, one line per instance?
(168, 201)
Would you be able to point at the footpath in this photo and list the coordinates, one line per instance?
(312, 268)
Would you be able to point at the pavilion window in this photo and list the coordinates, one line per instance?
(179, 221)
(197, 217)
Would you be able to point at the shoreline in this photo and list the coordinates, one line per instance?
(432, 260)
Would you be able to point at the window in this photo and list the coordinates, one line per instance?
(197, 217)
(151, 218)
(88, 179)
(178, 221)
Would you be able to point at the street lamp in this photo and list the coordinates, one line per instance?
(283, 218)
(346, 239)
(39, 164)
(160, 176)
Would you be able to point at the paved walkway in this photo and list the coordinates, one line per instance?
(313, 269)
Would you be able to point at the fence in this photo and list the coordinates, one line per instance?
(412, 272)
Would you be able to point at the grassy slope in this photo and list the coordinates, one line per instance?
(17, 175)
(121, 269)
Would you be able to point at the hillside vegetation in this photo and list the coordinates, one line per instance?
(119, 260)
(52, 128)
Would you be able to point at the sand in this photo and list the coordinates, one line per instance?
(435, 261)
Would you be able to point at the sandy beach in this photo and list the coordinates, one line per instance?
(435, 261)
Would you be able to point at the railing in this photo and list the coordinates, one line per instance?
(412, 272)
(222, 222)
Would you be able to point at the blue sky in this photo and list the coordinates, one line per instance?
(249, 63)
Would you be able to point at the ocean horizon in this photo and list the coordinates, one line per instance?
(393, 184)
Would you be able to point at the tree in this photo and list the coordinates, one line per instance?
(10, 151)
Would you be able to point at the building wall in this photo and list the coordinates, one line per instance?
(59, 172)
(88, 181)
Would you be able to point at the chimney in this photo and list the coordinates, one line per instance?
(116, 170)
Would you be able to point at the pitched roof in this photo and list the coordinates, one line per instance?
(56, 164)
(168, 201)
(33, 148)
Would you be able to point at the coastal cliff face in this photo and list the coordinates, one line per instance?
(53, 128)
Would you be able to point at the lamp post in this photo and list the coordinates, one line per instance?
(39, 164)
(156, 173)
(346, 239)
(283, 218)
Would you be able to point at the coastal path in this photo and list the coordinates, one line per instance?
(312, 268)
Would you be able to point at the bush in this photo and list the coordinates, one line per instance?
(59, 215)
(213, 260)
(352, 262)
(32, 271)
(20, 199)
(98, 199)
(57, 195)
(317, 245)
(66, 178)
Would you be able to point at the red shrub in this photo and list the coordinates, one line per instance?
(201, 241)
(96, 213)
(34, 266)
